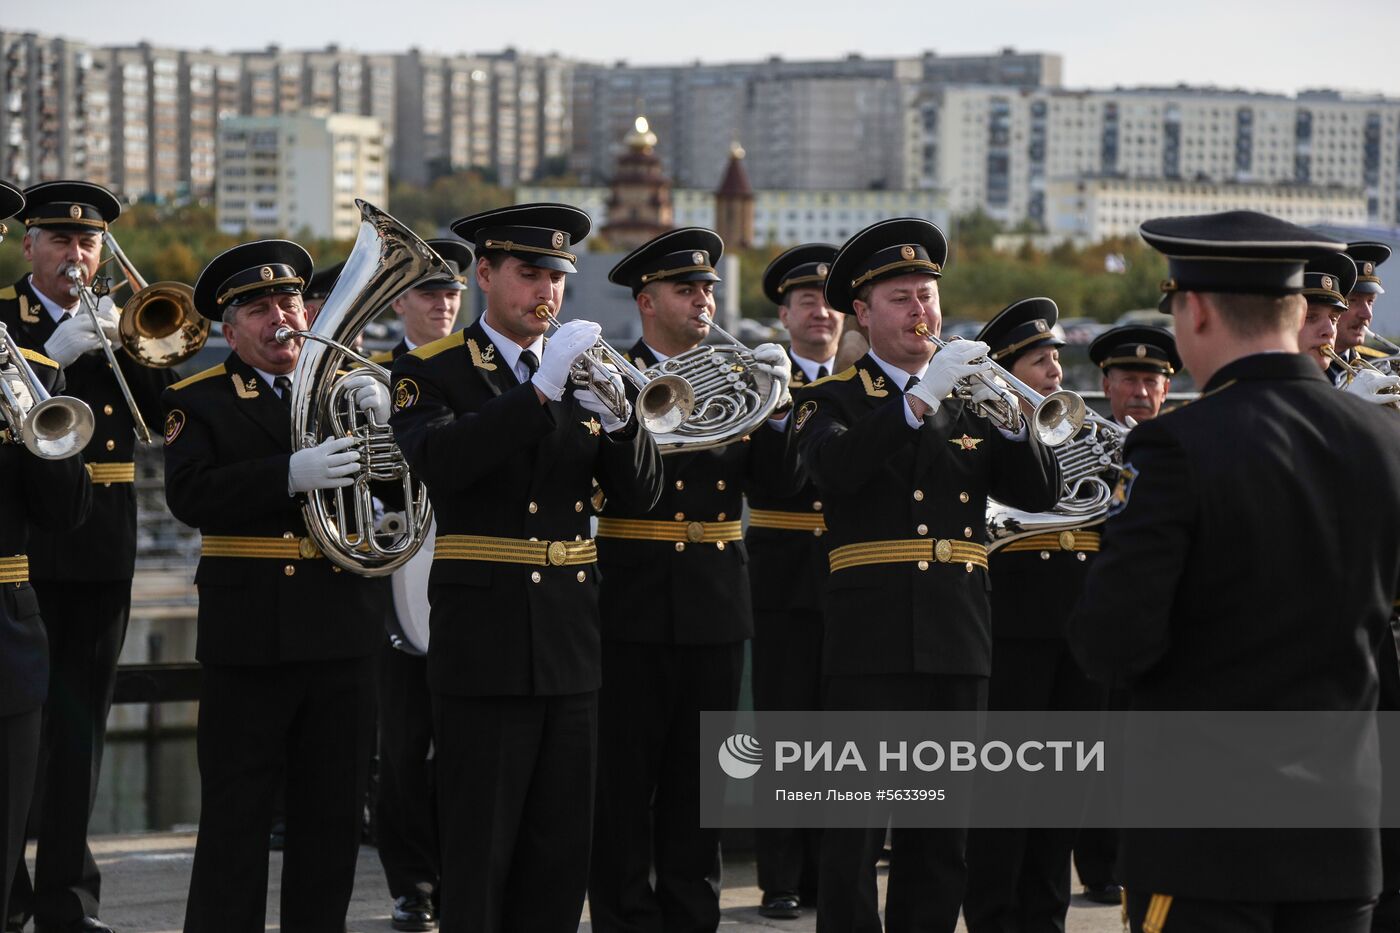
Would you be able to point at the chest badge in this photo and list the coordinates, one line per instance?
(875, 388)
(249, 390)
(965, 442)
(482, 359)
(27, 314)
(592, 426)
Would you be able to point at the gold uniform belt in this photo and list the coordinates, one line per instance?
(514, 550)
(286, 547)
(14, 569)
(787, 521)
(693, 532)
(1053, 541)
(112, 472)
(921, 550)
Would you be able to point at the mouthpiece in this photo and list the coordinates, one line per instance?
(285, 335)
(542, 312)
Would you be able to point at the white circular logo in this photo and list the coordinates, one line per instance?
(740, 756)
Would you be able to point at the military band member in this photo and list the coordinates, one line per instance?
(33, 492)
(1361, 303)
(1137, 362)
(81, 576)
(487, 418)
(904, 472)
(1327, 280)
(1212, 632)
(676, 611)
(319, 289)
(787, 569)
(406, 824)
(285, 639)
(1018, 879)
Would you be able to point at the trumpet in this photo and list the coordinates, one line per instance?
(1055, 418)
(664, 402)
(51, 427)
(1354, 367)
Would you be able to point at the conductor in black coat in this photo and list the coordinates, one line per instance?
(904, 473)
(285, 638)
(509, 450)
(33, 492)
(1210, 631)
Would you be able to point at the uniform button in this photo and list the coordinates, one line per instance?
(534, 539)
(720, 517)
(918, 495)
(335, 569)
(720, 545)
(968, 565)
(288, 534)
(720, 484)
(578, 506)
(289, 570)
(1082, 556)
(1044, 555)
(817, 532)
(535, 577)
(680, 484)
(963, 497)
(582, 576)
(106, 485)
(817, 506)
(680, 516)
(680, 545)
(111, 445)
(533, 507)
(578, 537)
(967, 532)
(922, 529)
(106, 409)
(923, 565)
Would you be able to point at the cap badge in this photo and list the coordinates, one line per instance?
(698, 258)
(266, 273)
(907, 252)
(1327, 281)
(1367, 268)
(822, 270)
(557, 240)
(75, 211)
(1041, 326)
(1141, 351)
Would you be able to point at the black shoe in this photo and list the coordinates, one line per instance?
(413, 913)
(277, 838)
(1104, 893)
(85, 925)
(781, 907)
(16, 923)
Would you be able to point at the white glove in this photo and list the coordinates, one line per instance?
(109, 318)
(569, 342)
(773, 360)
(589, 401)
(391, 523)
(949, 366)
(328, 465)
(369, 395)
(1376, 388)
(73, 338)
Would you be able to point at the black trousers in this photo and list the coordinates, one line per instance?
(515, 805)
(86, 623)
(1018, 879)
(308, 727)
(787, 675)
(1154, 913)
(928, 871)
(648, 808)
(1386, 919)
(406, 818)
(19, 760)
(1096, 849)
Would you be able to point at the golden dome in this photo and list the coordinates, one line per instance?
(641, 136)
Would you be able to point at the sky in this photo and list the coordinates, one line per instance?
(1279, 46)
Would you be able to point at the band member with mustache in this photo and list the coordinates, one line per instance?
(676, 611)
(286, 639)
(904, 471)
(787, 567)
(406, 822)
(1018, 879)
(81, 576)
(1361, 303)
(34, 492)
(1138, 362)
(490, 420)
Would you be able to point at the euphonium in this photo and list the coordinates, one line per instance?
(51, 427)
(1056, 418)
(387, 259)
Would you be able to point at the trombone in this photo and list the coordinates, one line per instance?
(159, 326)
(1056, 418)
(51, 427)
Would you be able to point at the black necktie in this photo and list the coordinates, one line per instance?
(531, 362)
(913, 381)
(823, 372)
(283, 385)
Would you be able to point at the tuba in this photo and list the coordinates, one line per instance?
(51, 427)
(387, 258)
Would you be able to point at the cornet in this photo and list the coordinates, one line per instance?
(51, 427)
(1056, 418)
